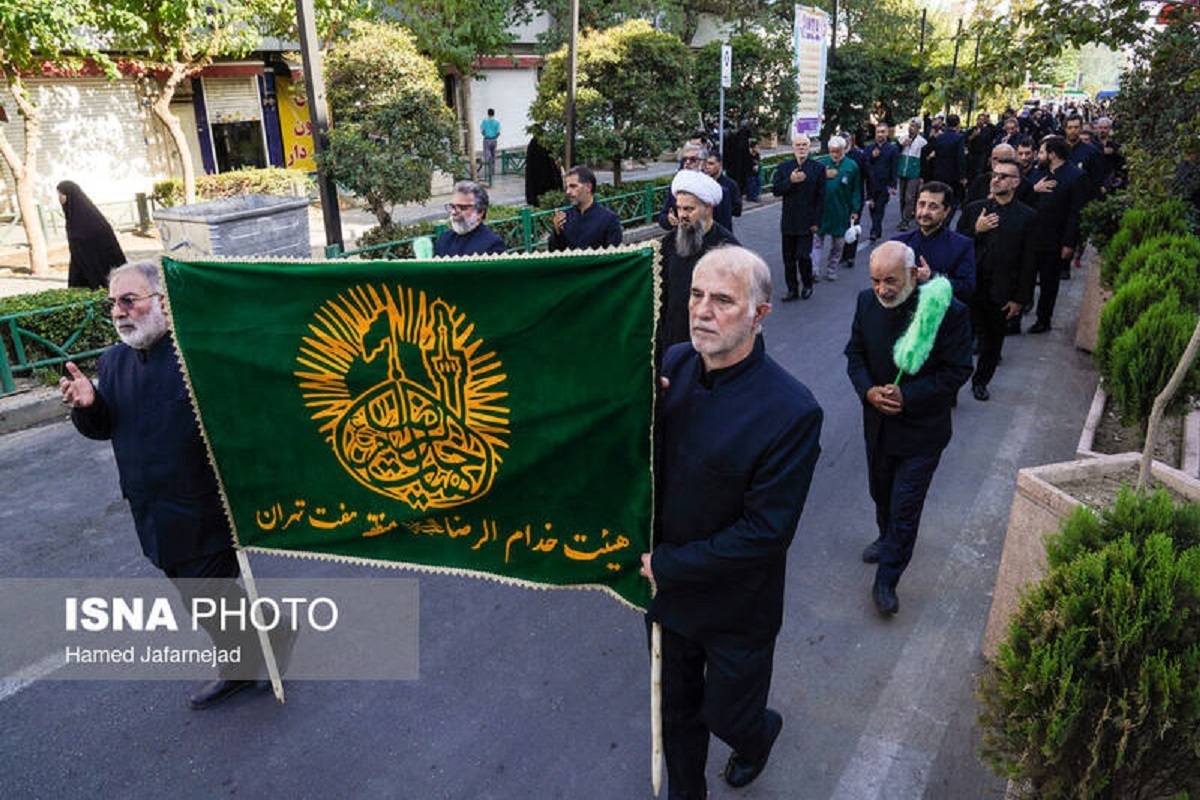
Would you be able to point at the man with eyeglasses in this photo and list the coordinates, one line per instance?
(1002, 228)
(141, 404)
(468, 236)
(693, 159)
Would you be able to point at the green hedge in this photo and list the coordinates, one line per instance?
(273, 180)
(1141, 359)
(1139, 224)
(1171, 256)
(1134, 514)
(57, 325)
(1096, 690)
(1101, 219)
(1122, 311)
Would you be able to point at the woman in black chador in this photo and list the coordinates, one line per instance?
(94, 246)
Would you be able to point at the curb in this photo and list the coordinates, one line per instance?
(31, 408)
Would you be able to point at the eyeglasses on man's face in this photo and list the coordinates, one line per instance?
(126, 301)
(462, 208)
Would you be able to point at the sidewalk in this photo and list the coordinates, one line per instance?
(505, 190)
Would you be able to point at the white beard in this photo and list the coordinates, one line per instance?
(147, 331)
(689, 239)
(462, 226)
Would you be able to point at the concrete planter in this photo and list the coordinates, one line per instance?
(1038, 508)
(1190, 452)
(1095, 295)
(250, 225)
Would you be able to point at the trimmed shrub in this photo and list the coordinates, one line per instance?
(1096, 690)
(1174, 257)
(1122, 311)
(1139, 224)
(1101, 219)
(1136, 514)
(71, 307)
(1141, 359)
(399, 234)
(273, 180)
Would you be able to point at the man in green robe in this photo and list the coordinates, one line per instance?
(843, 198)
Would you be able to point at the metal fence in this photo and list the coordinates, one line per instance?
(84, 331)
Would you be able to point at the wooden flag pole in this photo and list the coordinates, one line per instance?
(264, 638)
(656, 731)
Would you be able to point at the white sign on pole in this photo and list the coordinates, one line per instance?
(726, 66)
(811, 41)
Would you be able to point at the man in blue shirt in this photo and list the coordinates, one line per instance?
(937, 249)
(883, 162)
(490, 130)
(468, 236)
(586, 224)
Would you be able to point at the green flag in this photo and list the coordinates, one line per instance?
(486, 416)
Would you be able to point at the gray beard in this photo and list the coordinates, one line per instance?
(462, 227)
(689, 240)
(148, 331)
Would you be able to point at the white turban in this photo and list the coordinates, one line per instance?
(705, 189)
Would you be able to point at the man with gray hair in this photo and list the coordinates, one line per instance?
(468, 236)
(720, 556)
(906, 418)
(696, 233)
(843, 198)
(141, 404)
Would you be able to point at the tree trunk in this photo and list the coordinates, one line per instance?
(24, 171)
(1160, 405)
(464, 107)
(617, 171)
(162, 110)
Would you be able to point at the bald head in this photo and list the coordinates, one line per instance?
(893, 273)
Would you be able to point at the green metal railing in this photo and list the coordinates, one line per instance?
(530, 230)
(17, 334)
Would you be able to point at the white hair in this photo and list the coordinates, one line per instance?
(836, 141)
(797, 136)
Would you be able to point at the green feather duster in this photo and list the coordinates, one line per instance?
(913, 348)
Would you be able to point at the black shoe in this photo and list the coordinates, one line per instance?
(217, 691)
(1039, 327)
(789, 297)
(806, 293)
(873, 551)
(886, 602)
(740, 771)
(981, 392)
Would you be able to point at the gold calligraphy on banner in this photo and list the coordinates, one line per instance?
(577, 546)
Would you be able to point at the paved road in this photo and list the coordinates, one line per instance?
(529, 694)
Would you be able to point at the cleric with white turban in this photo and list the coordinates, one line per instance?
(702, 187)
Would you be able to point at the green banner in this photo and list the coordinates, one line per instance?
(486, 416)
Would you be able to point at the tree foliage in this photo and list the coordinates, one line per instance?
(634, 95)
(764, 91)
(391, 128)
(864, 80)
(1096, 691)
(35, 34)
(1159, 101)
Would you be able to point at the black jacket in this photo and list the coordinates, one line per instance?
(1004, 262)
(142, 405)
(1057, 223)
(923, 427)
(804, 202)
(738, 451)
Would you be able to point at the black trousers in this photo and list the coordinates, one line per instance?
(215, 577)
(1050, 265)
(797, 260)
(898, 487)
(990, 322)
(709, 689)
(881, 201)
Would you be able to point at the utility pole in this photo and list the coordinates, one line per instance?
(954, 64)
(318, 112)
(318, 109)
(921, 47)
(571, 79)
